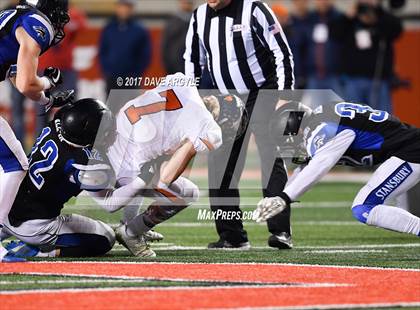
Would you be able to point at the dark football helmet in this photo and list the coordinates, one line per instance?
(57, 13)
(82, 120)
(286, 129)
(233, 118)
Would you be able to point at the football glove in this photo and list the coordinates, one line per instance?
(213, 105)
(54, 76)
(12, 72)
(270, 206)
(148, 171)
(59, 99)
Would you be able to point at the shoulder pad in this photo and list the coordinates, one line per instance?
(39, 28)
(320, 136)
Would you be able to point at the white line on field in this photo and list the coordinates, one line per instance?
(72, 281)
(344, 251)
(89, 205)
(223, 264)
(211, 224)
(362, 246)
(171, 288)
(173, 246)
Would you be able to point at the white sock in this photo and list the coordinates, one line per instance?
(53, 253)
(9, 187)
(129, 213)
(395, 219)
(136, 226)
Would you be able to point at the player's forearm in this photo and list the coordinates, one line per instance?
(116, 199)
(28, 82)
(322, 162)
(309, 176)
(32, 89)
(177, 164)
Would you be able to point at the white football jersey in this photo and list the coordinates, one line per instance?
(157, 123)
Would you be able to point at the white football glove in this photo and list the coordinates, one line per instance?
(212, 104)
(269, 207)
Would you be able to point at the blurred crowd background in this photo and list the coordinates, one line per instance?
(364, 50)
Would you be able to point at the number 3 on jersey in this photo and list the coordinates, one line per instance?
(49, 151)
(346, 109)
(170, 103)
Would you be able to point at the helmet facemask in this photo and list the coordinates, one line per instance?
(59, 20)
(287, 130)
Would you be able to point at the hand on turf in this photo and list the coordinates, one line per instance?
(269, 207)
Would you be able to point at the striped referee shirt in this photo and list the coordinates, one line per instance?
(243, 45)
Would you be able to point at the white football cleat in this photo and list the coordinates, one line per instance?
(136, 245)
(152, 236)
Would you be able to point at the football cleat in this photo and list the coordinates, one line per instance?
(21, 249)
(136, 245)
(282, 241)
(8, 257)
(226, 245)
(14, 244)
(152, 236)
(11, 258)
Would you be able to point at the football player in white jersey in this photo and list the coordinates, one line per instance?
(355, 135)
(169, 121)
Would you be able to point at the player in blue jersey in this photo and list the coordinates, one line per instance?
(26, 32)
(355, 135)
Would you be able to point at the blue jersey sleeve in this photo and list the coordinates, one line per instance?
(40, 29)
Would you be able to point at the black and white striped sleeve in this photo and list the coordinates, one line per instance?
(271, 34)
(194, 56)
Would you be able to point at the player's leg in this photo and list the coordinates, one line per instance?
(390, 180)
(274, 178)
(13, 166)
(168, 203)
(131, 211)
(225, 166)
(65, 236)
(80, 236)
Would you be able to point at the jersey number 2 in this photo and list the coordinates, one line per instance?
(170, 103)
(50, 152)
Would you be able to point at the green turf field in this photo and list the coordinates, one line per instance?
(324, 232)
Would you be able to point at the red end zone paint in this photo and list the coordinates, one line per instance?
(366, 286)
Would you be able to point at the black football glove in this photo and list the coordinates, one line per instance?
(54, 76)
(59, 99)
(148, 171)
(12, 72)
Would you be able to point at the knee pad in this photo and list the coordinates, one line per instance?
(361, 212)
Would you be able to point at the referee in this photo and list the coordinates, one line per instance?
(245, 50)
